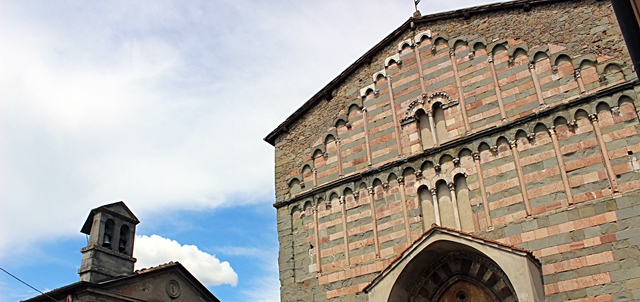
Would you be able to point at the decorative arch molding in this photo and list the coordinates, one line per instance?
(395, 58)
(364, 91)
(420, 36)
(381, 73)
(407, 42)
(508, 272)
(443, 98)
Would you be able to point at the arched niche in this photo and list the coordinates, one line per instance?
(506, 273)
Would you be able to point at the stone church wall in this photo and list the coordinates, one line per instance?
(515, 122)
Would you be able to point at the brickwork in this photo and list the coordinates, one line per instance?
(516, 126)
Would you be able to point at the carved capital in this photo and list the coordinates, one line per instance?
(456, 161)
(385, 185)
(472, 54)
(451, 186)
(490, 58)
(433, 48)
(476, 155)
(429, 113)
(511, 60)
(401, 180)
(602, 78)
(376, 92)
(554, 69)
(615, 110)
(433, 191)
(494, 149)
(513, 143)
(572, 124)
(314, 170)
(531, 136)
(552, 130)
(418, 174)
(437, 167)
(370, 190)
(364, 109)
(452, 53)
(532, 66)
(348, 125)
(325, 155)
(302, 184)
(576, 73)
(593, 117)
(408, 120)
(342, 200)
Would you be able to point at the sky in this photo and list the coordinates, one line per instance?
(163, 105)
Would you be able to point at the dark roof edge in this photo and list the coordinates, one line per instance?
(465, 12)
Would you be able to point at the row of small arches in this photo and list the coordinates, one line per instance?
(561, 122)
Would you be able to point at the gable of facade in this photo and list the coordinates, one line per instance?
(516, 122)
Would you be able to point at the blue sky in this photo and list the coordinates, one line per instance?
(162, 104)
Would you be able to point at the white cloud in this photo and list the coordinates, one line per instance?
(155, 250)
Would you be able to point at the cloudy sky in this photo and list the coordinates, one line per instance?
(162, 104)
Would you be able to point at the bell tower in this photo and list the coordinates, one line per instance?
(109, 252)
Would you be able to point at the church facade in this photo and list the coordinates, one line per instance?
(483, 154)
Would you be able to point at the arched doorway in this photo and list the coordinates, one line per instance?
(462, 276)
(448, 265)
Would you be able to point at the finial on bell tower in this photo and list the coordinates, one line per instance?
(416, 14)
(109, 251)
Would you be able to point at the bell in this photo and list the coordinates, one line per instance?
(121, 246)
(107, 241)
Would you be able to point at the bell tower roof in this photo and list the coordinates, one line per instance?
(118, 209)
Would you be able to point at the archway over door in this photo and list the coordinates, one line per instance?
(461, 276)
(449, 265)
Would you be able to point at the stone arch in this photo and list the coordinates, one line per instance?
(497, 285)
(440, 123)
(421, 36)
(440, 39)
(602, 106)
(340, 122)
(497, 47)
(560, 58)
(445, 203)
(426, 165)
(392, 59)
(463, 197)
(442, 257)
(364, 92)
(307, 205)
(518, 50)
(539, 56)
(502, 144)
(560, 121)
(405, 43)
(446, 162)
(424, 128)
(426, 203)
(459, 42)
(307, 175)
(294, 209)
(583, 62)
(379, 74)
(294, 186)
(478, 45)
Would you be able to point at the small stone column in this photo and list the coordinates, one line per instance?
(366, 135)
(536, 84)
(396, 125)
(483, 190)
(496, 86)
(315, 227)
(345, 230)
(563, 170)
(339, 154)
(463, 104)
(436, 206)
(454, 203)
(523, 185)
(432, 126)
(405, 212)
(578, 77)
(374, 222)
(605, 153)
